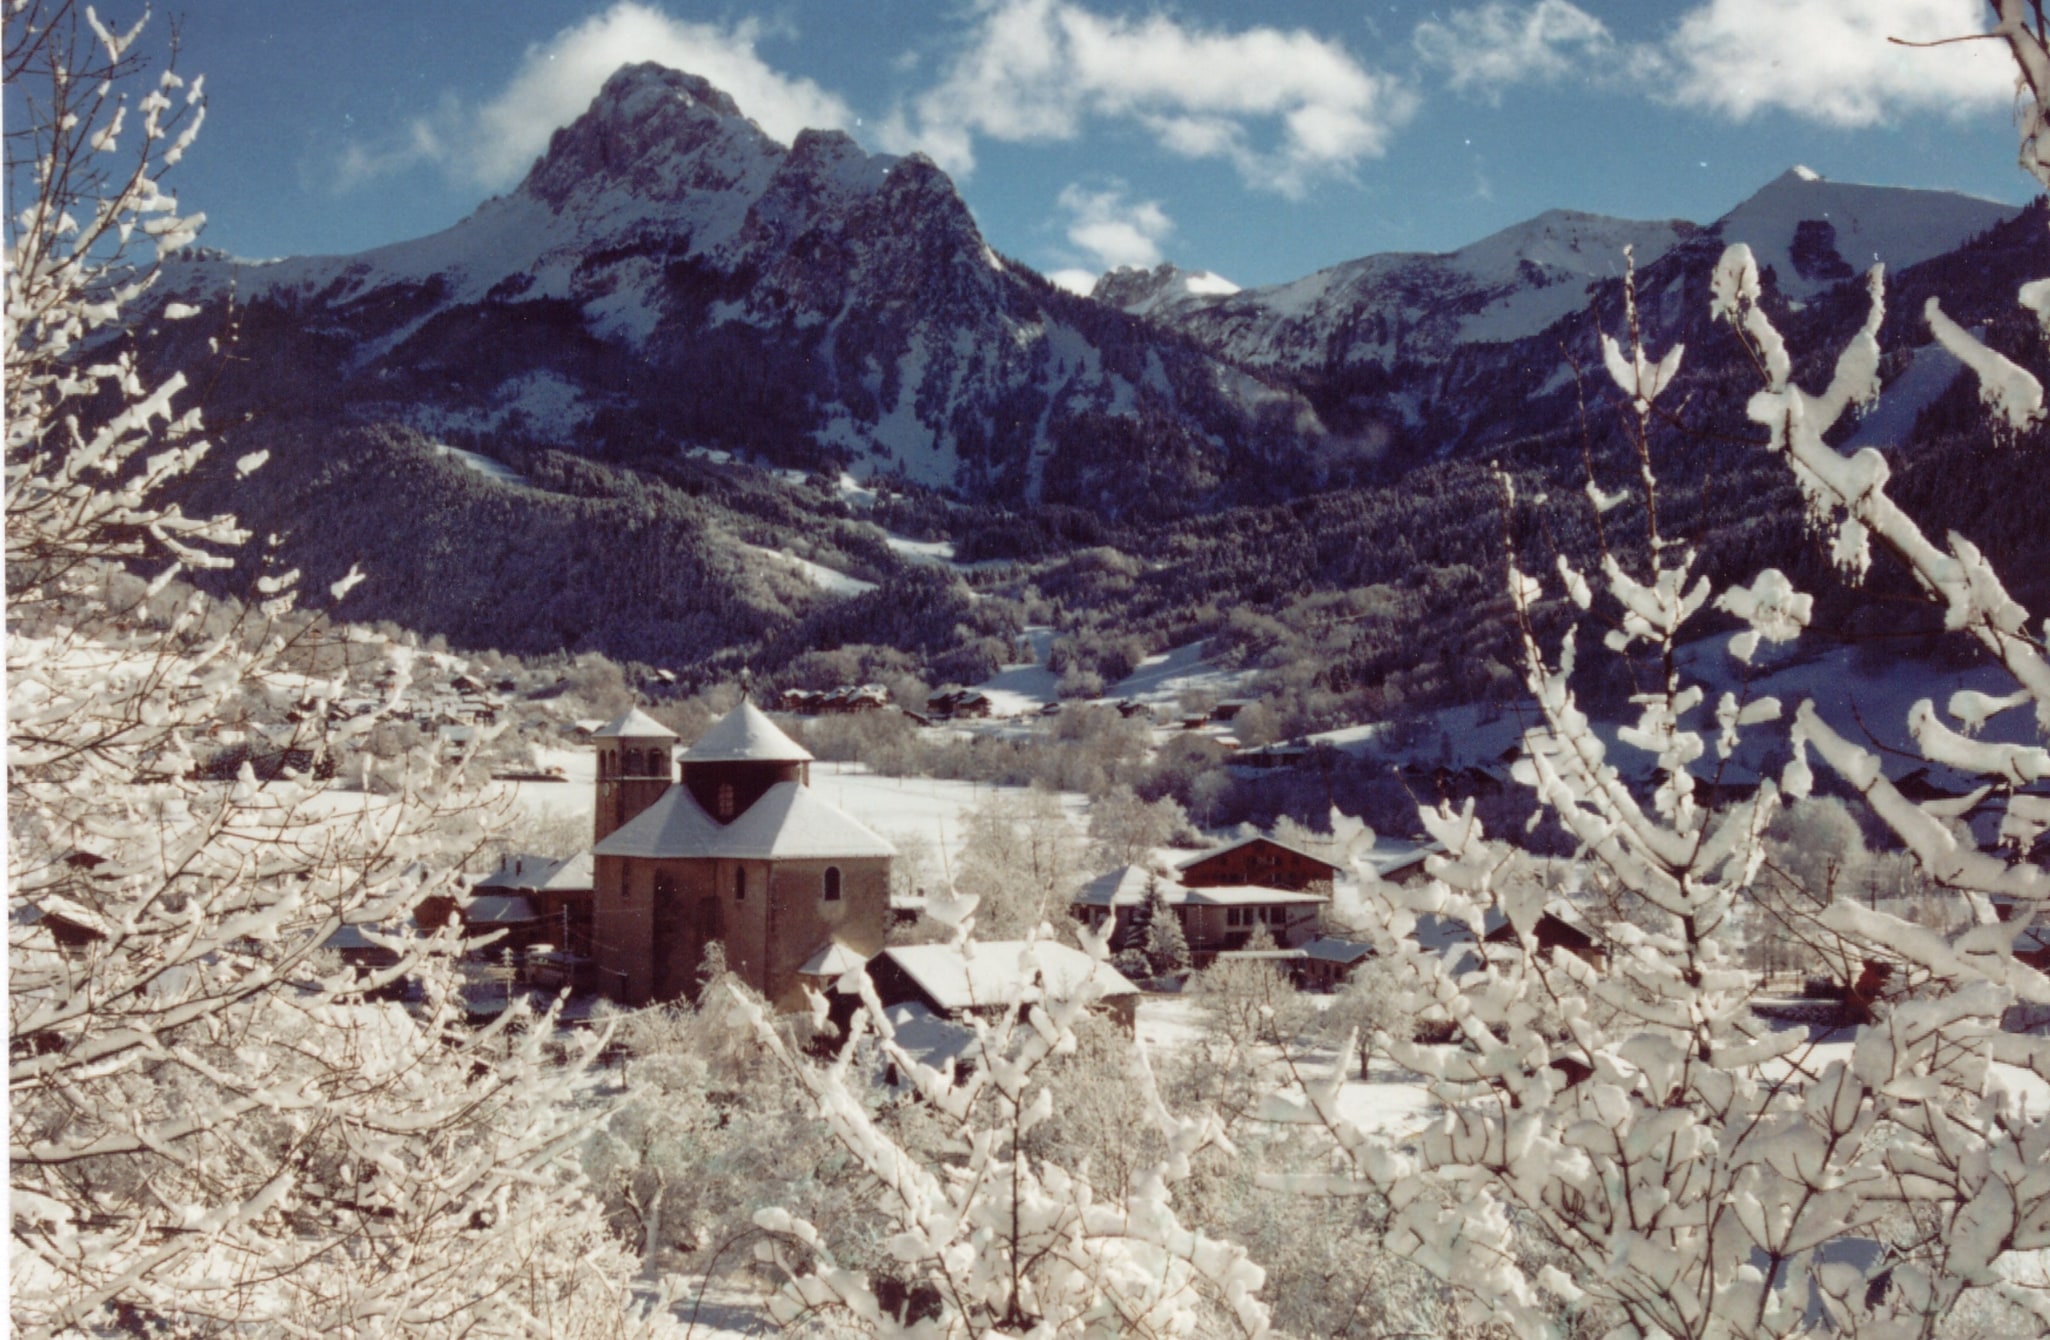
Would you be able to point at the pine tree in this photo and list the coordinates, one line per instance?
(1167, 949)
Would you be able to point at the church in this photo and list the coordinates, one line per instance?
(738, 849)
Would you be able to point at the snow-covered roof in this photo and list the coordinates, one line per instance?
(789, 822)
(745, 735)
(1333, 949)
(1247, 895)
(1126, 887)
(1390, 859)
(571, 873)
(995, 973)
(354, 937)
(675, 825)
(1201, 857)
(635, 725)
(928, 1037)
(832, 961)
(499, 909)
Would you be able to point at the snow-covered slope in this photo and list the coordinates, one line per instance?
(1814, 233)
(1439, 354)
(1404, 306)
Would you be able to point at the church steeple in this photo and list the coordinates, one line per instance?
(635, 766)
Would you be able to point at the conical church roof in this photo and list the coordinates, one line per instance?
(635, 725)
(746, 735)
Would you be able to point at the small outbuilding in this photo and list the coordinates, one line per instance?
(987, 976)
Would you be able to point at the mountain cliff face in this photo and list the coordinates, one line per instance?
(669, 277)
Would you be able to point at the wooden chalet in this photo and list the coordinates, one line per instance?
(1262, 862)
(1558, 928)
(1214, 919)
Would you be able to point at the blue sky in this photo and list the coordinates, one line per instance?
(1259, 142)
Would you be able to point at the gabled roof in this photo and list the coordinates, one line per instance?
(1336, 949)
(499, 909)
(635, 725)
(1246, 895)
(1197, 860)
(834, 960)
(1126, 887)
(789, 822)
(745, 735)
(569, 874)
(995, 973)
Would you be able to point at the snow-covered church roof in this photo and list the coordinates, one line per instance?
(789, 822)
(636, 725)
(746, 735)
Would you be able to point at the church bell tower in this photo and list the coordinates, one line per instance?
(635, 766)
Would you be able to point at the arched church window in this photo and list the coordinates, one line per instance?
(725, 800)
(740, 884)
(633, 763)
(832, 889)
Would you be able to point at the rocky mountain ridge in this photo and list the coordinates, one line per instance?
(673, 301)
(668, 277)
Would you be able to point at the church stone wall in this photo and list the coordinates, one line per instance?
(649, 947)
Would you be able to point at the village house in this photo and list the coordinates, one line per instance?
(1328, 961)
(737, 848)
(533, 900)
(1214, 918)
(1260, 862)
(988, 976)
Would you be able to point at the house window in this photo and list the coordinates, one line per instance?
(1234, 916)
(740, 884)
(725, 800)
(832, 891)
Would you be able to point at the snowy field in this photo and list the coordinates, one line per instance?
(830, 580)
(1158, 682)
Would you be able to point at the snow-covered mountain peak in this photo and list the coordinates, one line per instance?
(1143, 292)
(1561, 242)
(656, 134)
(1814, 232)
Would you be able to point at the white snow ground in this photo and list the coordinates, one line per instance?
(495, 470)
(830, 580)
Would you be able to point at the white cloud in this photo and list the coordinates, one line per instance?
(1042, 70)
(1073, 280)
(1830, 60)
(493, 144)
(1484, 50)
(1112, 230)
(1825, 60)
